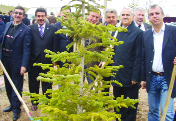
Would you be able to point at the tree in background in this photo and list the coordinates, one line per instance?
(75, 100)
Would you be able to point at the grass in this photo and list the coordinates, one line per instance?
(6, 9)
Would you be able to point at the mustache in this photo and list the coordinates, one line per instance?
(40, 20)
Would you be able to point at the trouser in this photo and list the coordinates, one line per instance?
(34, 85)
(17, 79)
(127, 114)
(106, 89)
(157, 95)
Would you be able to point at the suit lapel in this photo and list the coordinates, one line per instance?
(36, 29)
(5, 31)
(46, 30)
(166, 36)
(150, 35)
(19, 30)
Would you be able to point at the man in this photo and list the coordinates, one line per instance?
(128, 55)
(5, 18)
(2, 26)
(1, 16)
(26, 21)
(139, 16)
(42, 38)
(159, 51)
(111, 17)
(63, 40)
(52, 19)
(15, 54)
(93, 18)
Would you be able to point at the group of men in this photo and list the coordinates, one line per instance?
(146, 56)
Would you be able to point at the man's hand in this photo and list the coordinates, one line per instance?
(101, 64)
(143, 84)
(134, 82)
(23, 70)
(175, 61)
(54, 64)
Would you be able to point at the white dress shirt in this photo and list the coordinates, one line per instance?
(42, 26)
(158, 44)
(142, 26)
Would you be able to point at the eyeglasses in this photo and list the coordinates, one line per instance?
(19, 13)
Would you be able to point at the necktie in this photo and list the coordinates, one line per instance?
(139, 26)
(41, 31)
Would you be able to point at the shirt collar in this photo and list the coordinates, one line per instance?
(15, 26)
(42, 25)
(138, 24)
(162, 28)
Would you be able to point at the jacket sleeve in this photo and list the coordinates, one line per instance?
(136, 74)
(27, 47)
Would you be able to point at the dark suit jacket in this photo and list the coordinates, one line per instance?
(6, 19)
(62, 41)
(2, 26)
(39, 44)
(26, 21)
(21, 48)
(97, 49)
(168, 55)
(128, 55)
(147, 26)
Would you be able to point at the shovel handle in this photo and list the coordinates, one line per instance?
(169, 93)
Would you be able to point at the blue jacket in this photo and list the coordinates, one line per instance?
(21, 47)
(2, 26)
(168, 55)
(62, 42)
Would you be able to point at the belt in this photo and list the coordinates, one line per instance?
(158, 73)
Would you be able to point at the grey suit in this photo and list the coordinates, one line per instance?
(147, 26)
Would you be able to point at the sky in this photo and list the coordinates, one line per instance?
(169, 6)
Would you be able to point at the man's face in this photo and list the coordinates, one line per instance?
(62, 13)
(139, 17)
(40, 18)
(111, 18)
(93, 17)
(126, 17)
(155, 16)
(18, 16)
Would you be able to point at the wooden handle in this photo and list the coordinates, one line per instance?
(16, 91)
(169, 93)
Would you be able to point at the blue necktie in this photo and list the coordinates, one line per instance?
(41, 31)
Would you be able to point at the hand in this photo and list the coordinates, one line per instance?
(143, 84)
(54, 64)
(175, 61)
(23, 70)
(134, 82)
(101, 64)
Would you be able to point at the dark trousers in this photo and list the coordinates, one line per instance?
(34, 85)
(106, 89)
(18, 82)
(127, 114)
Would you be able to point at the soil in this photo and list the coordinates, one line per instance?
(7, 116)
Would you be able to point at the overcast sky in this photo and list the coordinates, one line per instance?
(169, 6)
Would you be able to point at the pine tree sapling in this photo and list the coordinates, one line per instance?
(75, 100)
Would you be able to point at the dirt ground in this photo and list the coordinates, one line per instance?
(141, 114)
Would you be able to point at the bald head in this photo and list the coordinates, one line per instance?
(126, 17)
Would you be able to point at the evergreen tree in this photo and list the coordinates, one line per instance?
(75, 100)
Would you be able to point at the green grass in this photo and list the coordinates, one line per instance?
(6, 9)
